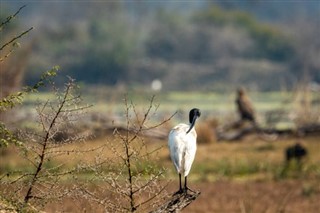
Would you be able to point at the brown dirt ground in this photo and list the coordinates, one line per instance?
(294, 196)
(285, 196)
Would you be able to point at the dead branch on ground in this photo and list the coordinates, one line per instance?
(177, 202)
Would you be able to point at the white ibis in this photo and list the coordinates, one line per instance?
(182, 144)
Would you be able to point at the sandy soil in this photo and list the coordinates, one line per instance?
(294, 196)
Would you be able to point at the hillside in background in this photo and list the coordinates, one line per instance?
(188, 46)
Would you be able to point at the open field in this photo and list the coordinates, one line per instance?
(248, 159)
(288, 196)
(272, 108)
(244, 176)
(247, 175)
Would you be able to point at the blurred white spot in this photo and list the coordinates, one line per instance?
(156, 85)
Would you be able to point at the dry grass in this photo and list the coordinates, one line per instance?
(264, 197)
(250, 151)
(242, 176)
(206, 134)
(228, 196)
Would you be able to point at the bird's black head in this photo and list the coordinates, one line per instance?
(193, 115)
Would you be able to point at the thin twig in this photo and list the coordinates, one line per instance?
(15, 38)
(8, 19)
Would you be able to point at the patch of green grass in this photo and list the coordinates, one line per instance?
(210, 103)
(34, 98)
(248, 169)
(228, 169)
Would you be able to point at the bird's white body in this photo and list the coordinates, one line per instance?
(182, 146)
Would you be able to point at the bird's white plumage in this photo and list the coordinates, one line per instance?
(182, 148)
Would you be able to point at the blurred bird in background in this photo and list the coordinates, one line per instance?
(245, 107)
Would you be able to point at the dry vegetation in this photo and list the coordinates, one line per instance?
(247, 175)
(232, 177)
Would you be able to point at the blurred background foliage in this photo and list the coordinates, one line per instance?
(205, 45)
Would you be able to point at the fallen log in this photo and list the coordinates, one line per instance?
(177, 202)
(268, 133)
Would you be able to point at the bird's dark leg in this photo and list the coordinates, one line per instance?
(186, 188)
(180, 191)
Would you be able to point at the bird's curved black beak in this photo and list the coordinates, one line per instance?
(193, 123)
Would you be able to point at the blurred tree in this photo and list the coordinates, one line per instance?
(111, 43)
(163, 40)
(172, 38)
(106, 56)
(97, 47)
(270, 42)
(305, 64)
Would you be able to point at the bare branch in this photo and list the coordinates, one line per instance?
(9, 18)
(43, 153)
(15, 38)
